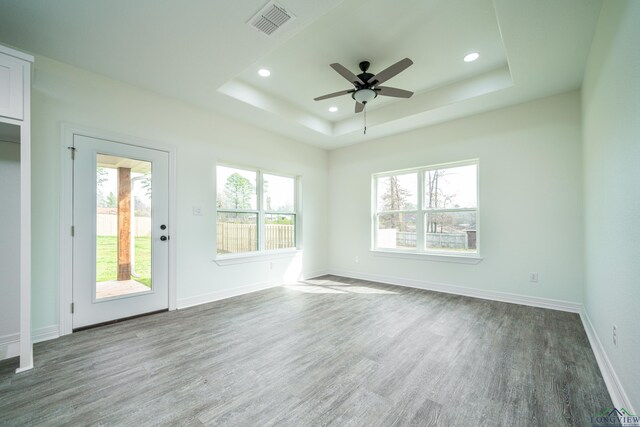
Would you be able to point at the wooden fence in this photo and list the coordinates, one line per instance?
(107, 225)
(234, 237)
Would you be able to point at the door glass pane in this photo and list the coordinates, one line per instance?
(396, 231)
(237, 232)
(123, 226)
(279, 231)
(451, 231)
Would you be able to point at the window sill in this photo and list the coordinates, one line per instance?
(223, 260)
(422, 256)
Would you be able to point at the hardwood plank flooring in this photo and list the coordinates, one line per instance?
(329, 351)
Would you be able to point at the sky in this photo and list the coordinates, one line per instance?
(279, 189)
(458, 182)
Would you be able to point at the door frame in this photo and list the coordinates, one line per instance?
(68, 132)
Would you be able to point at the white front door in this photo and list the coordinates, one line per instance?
(121, 231)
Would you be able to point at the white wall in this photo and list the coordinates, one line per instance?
(62, 93)
(9, 241)
(530, 199)
(611, 120)
(531, 172)
(531, 195)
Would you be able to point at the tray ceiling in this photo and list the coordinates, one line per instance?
(206, 54)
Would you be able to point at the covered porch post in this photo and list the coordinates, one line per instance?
(124, 223)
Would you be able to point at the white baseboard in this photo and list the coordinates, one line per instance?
(616, 391)
(10, 344)
(317, 273)
(224, 294)
(569, 306)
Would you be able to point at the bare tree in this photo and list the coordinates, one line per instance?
(437, 199)
(394, 199)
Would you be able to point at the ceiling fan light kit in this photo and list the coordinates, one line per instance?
(364, 95)
(367, 86)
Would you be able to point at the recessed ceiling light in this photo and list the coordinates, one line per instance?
(470, 57)
(264, 72)
(333, 109)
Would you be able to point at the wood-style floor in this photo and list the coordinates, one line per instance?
(332, 351)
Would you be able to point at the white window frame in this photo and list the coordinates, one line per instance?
(261, 252)
(421, 211)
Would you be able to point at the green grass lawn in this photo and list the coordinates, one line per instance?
(107, 259)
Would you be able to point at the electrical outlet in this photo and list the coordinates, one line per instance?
(357, 259)
(614, 335)
(197, 211)
(533, 277)
(271, 266)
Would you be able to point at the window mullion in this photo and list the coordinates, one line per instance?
(374, 213)
(397, 212)
(420, 216)
(297, 207)
(280, 213)
(259, 197)
(237, 211)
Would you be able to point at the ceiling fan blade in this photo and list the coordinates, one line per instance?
(334, 94)
(342, 70)
(391, 71)
(393, 91)
(359, 107)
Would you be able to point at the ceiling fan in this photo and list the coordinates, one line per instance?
(367, 85)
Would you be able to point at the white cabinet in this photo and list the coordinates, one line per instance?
(15, 127)
(11, 87)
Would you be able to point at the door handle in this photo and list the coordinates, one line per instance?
(163, 238)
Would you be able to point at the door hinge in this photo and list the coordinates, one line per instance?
(73, 152)
(73, 230)
(72, 308)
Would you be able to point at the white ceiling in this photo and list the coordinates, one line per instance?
(203, 52)
(404, 31)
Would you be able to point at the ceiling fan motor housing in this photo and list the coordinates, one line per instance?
(364, 76)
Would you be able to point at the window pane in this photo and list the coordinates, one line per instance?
(236, 188)
(398, 192)
(279, 231)
(237, 232)
(278, 193)
(451, 187)
(396, 231)
(451, 231)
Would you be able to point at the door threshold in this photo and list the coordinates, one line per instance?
(111, 322)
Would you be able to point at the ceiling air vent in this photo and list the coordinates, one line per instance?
(270, 18)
